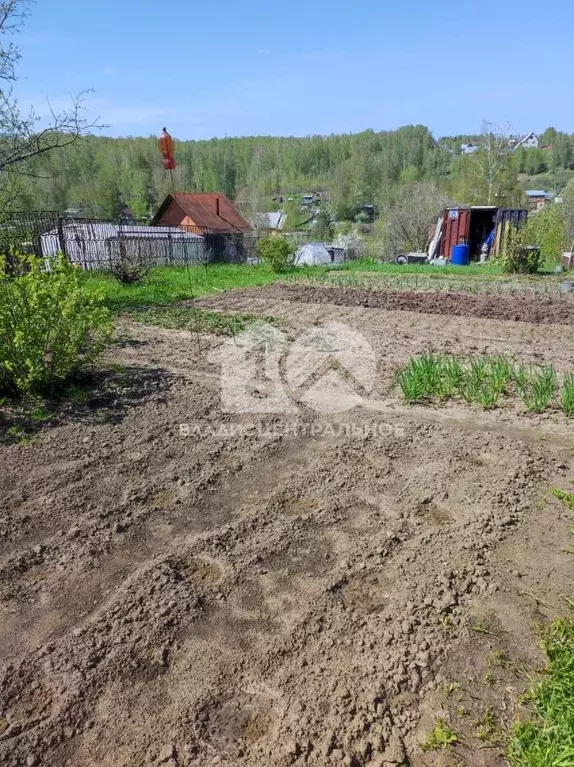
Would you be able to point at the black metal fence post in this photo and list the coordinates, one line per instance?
(62, 236)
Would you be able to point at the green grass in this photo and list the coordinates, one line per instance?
(167, 285)
(440, 737)
(198, 320)
(490, 271)
(366, 265)
(540, 389)
(567, 395)
(483, 381)
(562, 495)
(547, 739)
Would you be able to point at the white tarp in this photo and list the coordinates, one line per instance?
(312, 254)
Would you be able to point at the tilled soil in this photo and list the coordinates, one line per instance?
(288, 594)
(520, 308)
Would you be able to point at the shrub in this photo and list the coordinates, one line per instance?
(518, 256)
(128, 274)
(277, 253)
(412, 216)
(129, 266)
(49, 325)
(547, 230)
(353, 245)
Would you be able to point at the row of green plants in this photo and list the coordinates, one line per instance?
(535, 288)
(50, 324)
(484, 381)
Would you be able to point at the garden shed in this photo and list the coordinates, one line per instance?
(472, 226)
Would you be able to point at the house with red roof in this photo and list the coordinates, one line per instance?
(204, 212)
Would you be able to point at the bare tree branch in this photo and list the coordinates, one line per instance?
(22, 136)
(410, 219)
(13, 14)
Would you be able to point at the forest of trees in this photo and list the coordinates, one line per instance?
(97, 175)
(61, 165)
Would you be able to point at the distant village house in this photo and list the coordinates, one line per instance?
(210, 215)
(530, 141)
(272, 222)
(538, 198)
(206, 213)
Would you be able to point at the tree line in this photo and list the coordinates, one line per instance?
(63, 166)
(98, 175)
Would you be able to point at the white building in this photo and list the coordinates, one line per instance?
(530, 141)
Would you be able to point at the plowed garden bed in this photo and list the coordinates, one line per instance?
(278, 596)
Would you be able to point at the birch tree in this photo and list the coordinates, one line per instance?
(492, 165)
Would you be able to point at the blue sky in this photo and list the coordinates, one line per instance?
(245, 67)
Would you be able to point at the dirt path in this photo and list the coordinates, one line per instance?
(281, 596)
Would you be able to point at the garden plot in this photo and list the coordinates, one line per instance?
(311, 595)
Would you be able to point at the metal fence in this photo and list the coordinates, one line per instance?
(94, 244)
(97, 244)
(23, 232)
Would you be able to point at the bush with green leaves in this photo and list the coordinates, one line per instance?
(518, 255)
(546, 229)
(127, 273)
(50, 326)
(277, 253)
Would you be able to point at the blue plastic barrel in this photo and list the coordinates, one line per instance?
(460, 255)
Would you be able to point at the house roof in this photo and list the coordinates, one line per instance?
(537, 193)
(207, 210)
(525, 139)
(273, 220)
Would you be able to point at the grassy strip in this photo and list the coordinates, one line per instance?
(198, 320)
(489, 271)
(167, 285)
(483, 270)
(547, 739)
(434, 281)
(483, 381)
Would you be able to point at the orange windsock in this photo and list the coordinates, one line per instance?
(167, 149)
